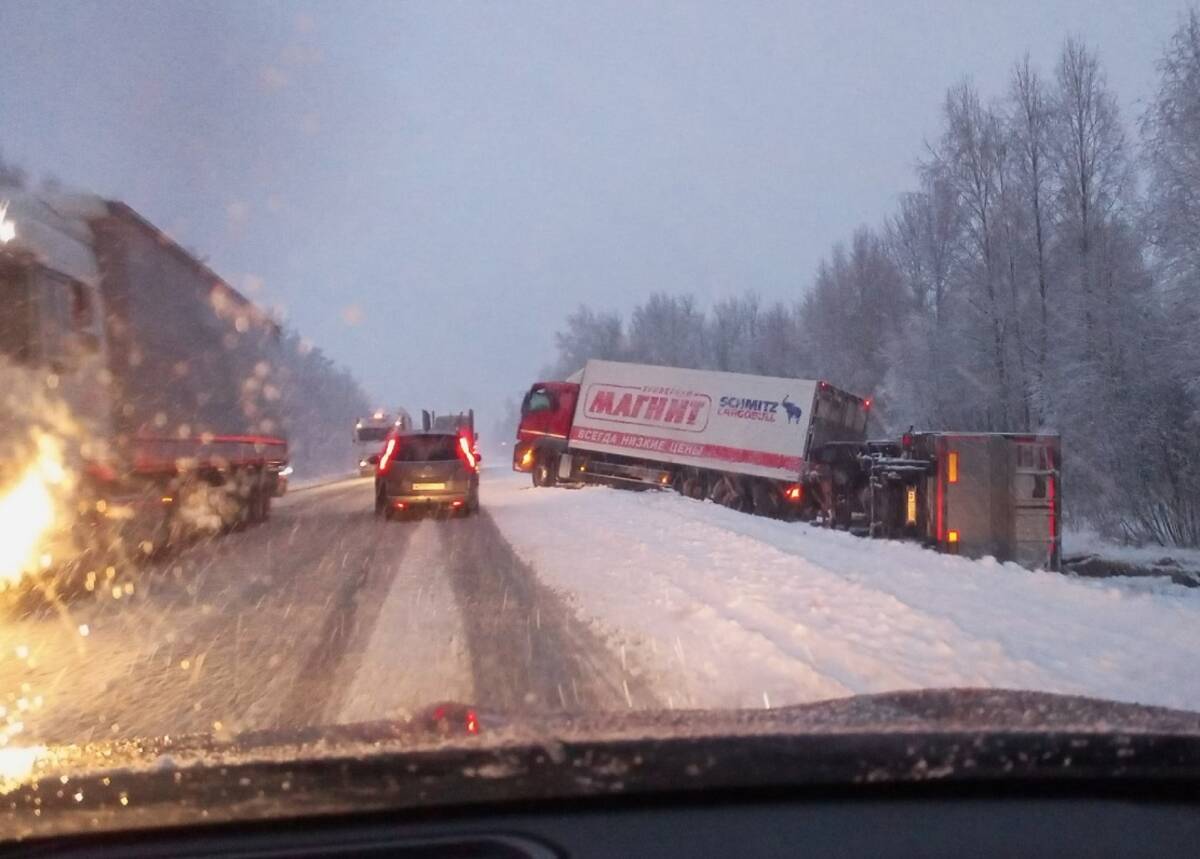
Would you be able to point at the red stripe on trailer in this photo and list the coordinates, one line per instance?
(264, 440)
(162, 454)
(941, 499)
(1051, 490)
(696, 450)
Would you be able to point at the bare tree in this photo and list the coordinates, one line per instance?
(1092, 165)
(970, 158)
(732, 332)
(1171, 131)
(1030, 120)
(587, 335)
(668, 330)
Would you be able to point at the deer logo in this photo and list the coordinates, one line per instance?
(794, 412)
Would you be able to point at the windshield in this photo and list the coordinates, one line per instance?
(709, 358)
(426, 448)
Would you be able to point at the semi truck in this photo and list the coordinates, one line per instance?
(139, 392)
(739, 439)
(794, 449)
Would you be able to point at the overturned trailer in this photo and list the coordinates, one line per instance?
(974, 494)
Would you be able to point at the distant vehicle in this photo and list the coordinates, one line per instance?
(739, 439)
(425, 470)
(370, 434)
(141, 387)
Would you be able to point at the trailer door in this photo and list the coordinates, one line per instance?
(998, 495)
(1036, 501)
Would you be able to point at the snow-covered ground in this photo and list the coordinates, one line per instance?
(724, 609)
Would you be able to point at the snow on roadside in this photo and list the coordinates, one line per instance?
(731, 610)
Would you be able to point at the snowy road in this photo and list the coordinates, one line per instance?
(558, 599)
(324, 614)
(721, 609)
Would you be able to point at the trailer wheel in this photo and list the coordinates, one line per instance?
(690, 483)
(765, 497)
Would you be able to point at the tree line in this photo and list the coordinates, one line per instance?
(1042, 274)
(319, 403)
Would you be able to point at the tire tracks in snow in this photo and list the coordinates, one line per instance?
(529, 652)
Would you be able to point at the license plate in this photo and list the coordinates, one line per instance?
(429, 486)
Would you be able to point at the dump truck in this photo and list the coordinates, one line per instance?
(139, 392)
(737, 438)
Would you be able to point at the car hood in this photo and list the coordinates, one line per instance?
(452, 754)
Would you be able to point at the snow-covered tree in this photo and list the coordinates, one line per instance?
(668, 330)
(587, 334)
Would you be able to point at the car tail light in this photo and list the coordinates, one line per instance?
(794, 492)
(389, 451)
(468, 455)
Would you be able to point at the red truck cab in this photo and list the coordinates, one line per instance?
(546, 414)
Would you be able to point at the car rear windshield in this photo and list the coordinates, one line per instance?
(426, 448)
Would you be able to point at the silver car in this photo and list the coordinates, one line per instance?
(427, 470)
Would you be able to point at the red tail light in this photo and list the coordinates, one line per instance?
(468, 455)
(389, 451)
(794, 492)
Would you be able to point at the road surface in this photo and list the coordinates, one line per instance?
(324, 614)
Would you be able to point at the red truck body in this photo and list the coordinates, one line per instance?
(138, 388)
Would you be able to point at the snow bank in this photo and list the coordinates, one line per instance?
(730, 610)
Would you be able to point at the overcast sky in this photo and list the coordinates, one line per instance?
(426, 189)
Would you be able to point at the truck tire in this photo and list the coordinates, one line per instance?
(689, 482)
(259, 505)
(257, 500)
(545, 471)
